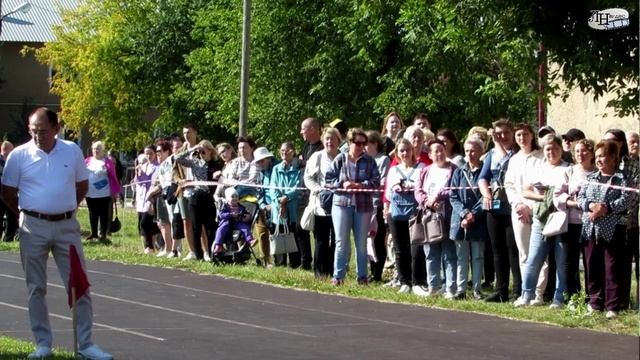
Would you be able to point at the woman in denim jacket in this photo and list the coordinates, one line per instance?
(468, 223)
(604, 230)
(351, 210)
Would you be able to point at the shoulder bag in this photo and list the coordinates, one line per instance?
(282, 242)
(115, 225)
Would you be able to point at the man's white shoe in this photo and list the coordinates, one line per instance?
(94, 352)
(42, 352)
(190, 256)
(538, 301)
(522, 301)
(555, 305)
(161, 254)
(611, 314)
(404, 289)
(420, 290)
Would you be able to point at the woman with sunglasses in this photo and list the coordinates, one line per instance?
(203, 161)
(350, 173)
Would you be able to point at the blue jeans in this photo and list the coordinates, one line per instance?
(539, 248)
(435, 254)
(346, 218)
(477, 264)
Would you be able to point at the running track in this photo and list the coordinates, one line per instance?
(152, 313)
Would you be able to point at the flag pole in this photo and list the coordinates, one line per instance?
(74, 321)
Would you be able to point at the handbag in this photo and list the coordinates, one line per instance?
(307, 220)
(426, 227)
(170, 193)
(115, 225)
(416, 230)
(282, 242)
(557, 223)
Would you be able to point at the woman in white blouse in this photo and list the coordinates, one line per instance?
(317, 166)
(536, 185)
(525, 162)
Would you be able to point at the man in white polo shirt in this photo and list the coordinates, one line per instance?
(50, 177)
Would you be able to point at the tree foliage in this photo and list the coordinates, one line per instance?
(461, 62)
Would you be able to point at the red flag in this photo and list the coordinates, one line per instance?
(77, 276)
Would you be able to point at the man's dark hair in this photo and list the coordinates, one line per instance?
(246, 139)
(189, 126)
(51, 115)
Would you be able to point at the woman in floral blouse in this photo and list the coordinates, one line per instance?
(604, 230)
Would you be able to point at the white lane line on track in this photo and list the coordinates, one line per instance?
(262, 301)
(228, 321)
(95, 323)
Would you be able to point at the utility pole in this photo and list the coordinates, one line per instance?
(244, 77)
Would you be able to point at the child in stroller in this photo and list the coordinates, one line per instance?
(232, 216)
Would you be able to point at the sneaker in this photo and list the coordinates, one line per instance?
(393, 284)
(190, 256)
(496, 297)
(404, 289)
(94, 352)
(611, 314)
(173, 254)
(538, 301)
(337, 282)
(556, 305)
(148, 250)
(590, 310)
(478, 295)
(161, 254)
(363, 281)
(460, 296)
(449, 295)
(206, 257)
(42, 352)
(522, 302)
(420, 290)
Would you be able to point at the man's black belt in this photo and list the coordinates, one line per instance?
(50, 217)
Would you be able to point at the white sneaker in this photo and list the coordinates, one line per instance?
(207, 258)
(173, 254)
(555, 305)
(521, 302)
(538, 301)
(161, 254)
(590, 310)
(611, 314)
(449, 295)
(404, 289)
(420, 290)
(42, 352)
(148, 250)
(94, 352)
(190, 256)
(392, 284)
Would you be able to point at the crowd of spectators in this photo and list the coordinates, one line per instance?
(495, 192)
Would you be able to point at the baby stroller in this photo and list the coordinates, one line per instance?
(236, 249)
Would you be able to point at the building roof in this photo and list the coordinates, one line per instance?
(34, 26)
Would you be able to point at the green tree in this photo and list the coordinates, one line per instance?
(463, 62)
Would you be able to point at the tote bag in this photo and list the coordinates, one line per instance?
(557, 223)
(282, 242)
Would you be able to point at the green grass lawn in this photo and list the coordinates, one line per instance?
(126, 247)
(11, 349)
